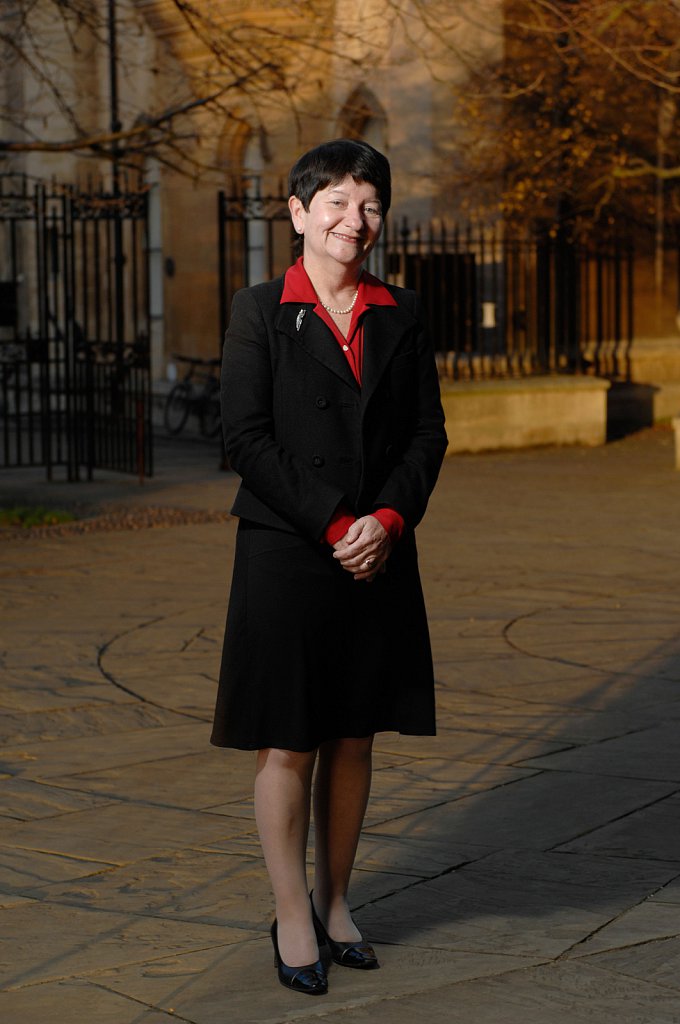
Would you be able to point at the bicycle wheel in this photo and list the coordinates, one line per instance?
(211, 416)
(176, 410)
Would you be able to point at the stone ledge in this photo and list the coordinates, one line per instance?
(645, 361)
(522, 413)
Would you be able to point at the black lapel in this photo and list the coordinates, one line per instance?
(384, 329)
(301, 324)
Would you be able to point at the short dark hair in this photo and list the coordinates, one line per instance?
(330, 162)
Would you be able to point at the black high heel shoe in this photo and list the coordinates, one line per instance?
(359, 954)
(310, 979)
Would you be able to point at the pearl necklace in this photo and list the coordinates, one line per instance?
(341, 312)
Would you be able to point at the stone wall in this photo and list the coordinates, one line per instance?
(487, 415)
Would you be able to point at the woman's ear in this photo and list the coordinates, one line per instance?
(297, 212)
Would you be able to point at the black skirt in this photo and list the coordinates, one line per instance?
(310, 654)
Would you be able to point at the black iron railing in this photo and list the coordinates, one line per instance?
(503, 305)
(74, 329)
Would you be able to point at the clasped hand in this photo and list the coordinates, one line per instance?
(364, 549)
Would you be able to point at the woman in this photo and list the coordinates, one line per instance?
(332, 419)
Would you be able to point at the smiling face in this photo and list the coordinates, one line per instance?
(342, 224)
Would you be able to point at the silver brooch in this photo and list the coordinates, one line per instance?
(300, 317)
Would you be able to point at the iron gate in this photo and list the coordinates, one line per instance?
(256, 242)
(75, 386)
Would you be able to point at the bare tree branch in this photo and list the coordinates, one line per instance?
(142, 132)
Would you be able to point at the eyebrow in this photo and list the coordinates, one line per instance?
(342, 192)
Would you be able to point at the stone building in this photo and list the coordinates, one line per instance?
(321, 71)
(249, 86)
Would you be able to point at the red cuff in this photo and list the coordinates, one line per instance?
(391, 521)
(339, 524)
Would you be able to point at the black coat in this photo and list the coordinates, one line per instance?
(310, 654)
(302, 434)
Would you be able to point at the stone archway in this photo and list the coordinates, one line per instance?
(364, 117)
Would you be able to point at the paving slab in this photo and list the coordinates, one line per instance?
(480, 746)
(195, 781)
(528, 904)
(26, 870)
(650, 832)
(91, 940)
(670, 893)
(175, 685)
(12, 901)
(522, 866)
(76, 1000)
(222, 889)
(657, 960)
(226, 889)
(651, 753)
(648, 922)
(85, 720)
(536, 812)
(538, 720)
(613, 693)
(21, 799)
(118, 833)
(559, 993)
(515, 669)
(40, 691)
(184, 647)
(68, 757)
(431, 782)
(227, 984)
(424, 858)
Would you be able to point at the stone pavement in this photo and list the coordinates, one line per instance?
(523, 867)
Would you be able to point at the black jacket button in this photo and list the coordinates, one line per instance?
(321, 402)
(389, 450)
(318, 461)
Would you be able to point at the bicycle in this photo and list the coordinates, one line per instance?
(187, 396)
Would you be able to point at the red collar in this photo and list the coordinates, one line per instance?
(298, 288)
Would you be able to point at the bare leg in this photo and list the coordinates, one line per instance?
(342, 785)
(282, 804)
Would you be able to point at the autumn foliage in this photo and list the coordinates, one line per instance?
(578, 120)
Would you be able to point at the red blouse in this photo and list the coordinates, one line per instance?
(297, 287)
